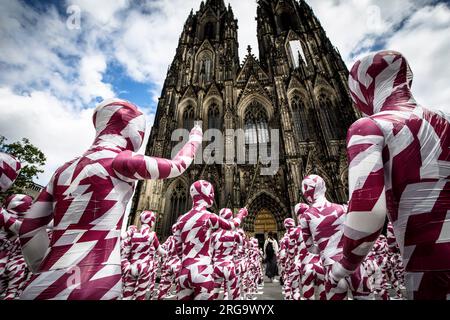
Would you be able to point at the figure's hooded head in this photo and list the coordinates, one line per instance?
(289, 224)
(18, 204)
(148, 218)
(131, 229)
(314, 189)
(300, 209)
(382, 81)
(119, 124)
(255, 242)
(226, 213)
(9, 171)
(202, 193)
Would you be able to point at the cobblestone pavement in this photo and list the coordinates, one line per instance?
(273, 291)
(268, 291)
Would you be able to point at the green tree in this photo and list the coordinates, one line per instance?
(32, 160)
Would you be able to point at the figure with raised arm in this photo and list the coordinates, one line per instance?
(87, 198)
(193, 240)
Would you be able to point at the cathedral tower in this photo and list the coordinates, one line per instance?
(297, 85)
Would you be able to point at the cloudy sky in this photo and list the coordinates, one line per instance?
(59, 58)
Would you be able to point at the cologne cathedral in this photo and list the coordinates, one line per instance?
(297, 85)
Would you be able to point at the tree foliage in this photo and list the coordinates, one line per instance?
(32, 160)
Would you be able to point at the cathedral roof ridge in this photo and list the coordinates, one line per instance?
(249, 56)
(251, 66)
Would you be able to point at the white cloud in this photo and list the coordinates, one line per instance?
(356, 30)
(425, 41)
(54, 127)
(102, 11)
(147, 41)
(50, 125)
(91, 85)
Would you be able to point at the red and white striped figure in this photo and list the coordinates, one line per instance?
(12, 215)
(377, 264)
(309, 276)
(399, 163)
(18, 204)
(225, 244)
(125, 255)
(17, 273)
(396, 270)
(149, 218)
(258, 256)
(144, 244)
(322, 227)
(170, 269)
(5, 249)
(246, 276)
(9, 171)
(282, 261)
(87, 198)
(193, 240)
(240, 261)
(253, 272)
(289, 260)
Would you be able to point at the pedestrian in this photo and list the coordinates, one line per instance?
(270, 249)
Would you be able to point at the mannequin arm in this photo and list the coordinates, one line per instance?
(220, 223)
(9, 223)
(159, 249)
(130, 166)
(367, 208)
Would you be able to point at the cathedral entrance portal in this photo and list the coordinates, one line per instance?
(266, 213)
(265, 222)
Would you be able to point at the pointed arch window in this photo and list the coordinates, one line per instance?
(176, 205)
(188, 118)
(328, 116)
(214, 121)
(205, 65)
(300, 118)
(256, 127)
(296, 53)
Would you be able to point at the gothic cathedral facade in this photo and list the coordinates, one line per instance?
(297, 85)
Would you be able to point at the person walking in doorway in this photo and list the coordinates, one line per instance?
(270, 250)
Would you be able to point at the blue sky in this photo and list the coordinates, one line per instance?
(52, 75)
(141, 93)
